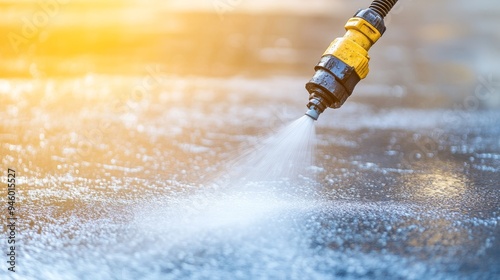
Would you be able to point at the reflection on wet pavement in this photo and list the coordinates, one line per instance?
(127, 193)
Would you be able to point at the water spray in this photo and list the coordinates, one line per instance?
(345, 61)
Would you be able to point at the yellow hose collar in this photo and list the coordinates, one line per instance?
(353, 48)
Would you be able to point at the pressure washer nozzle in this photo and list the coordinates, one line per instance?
(345, 61)
(316, 106)
(313, 113)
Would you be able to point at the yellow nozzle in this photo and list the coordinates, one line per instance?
(345, 61)
(353, 48)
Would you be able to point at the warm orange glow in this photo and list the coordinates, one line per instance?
(441, 185)
(75, 37)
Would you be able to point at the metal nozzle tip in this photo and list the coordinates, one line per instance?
(313, 113)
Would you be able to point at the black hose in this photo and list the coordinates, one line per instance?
(382, 7)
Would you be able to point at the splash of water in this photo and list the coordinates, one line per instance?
(282, 162)
(271, 179)
(282, 156)
(254, 214)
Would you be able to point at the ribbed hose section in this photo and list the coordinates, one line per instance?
(382, 7)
